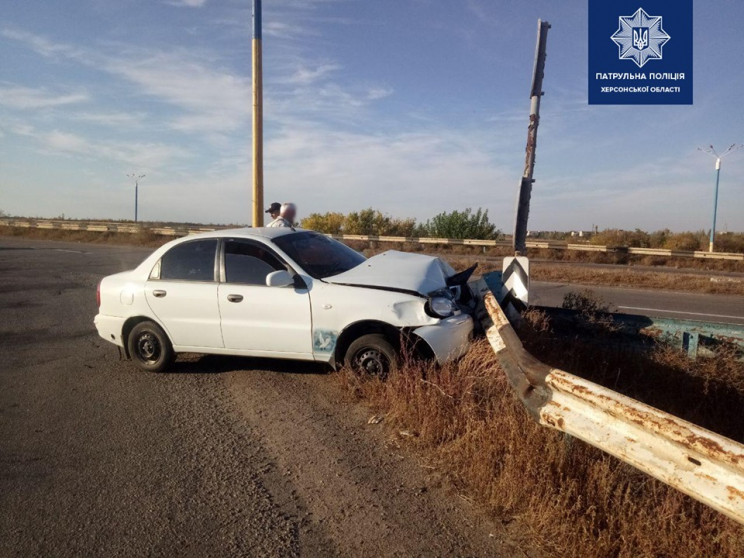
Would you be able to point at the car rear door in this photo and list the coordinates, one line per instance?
(182, 292)
(261, 320)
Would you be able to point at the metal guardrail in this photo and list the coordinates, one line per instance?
(692, 336)
(104, 226)
(702, 464)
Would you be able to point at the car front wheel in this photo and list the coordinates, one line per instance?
(149, 347)
(371, 354)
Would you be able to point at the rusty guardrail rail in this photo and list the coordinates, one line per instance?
(702, 464)
(133, 228)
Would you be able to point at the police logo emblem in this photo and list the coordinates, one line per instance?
(640, 37)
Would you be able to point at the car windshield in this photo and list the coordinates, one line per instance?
(319, 255)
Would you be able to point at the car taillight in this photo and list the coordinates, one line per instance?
(98, 294)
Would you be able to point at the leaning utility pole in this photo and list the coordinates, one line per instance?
(257, 118)
(525, 187)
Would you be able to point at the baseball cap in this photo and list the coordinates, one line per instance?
(274, 208)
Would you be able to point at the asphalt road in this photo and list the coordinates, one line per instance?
(656, 303)
(222, 457)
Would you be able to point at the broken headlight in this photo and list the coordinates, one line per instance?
(440, 305)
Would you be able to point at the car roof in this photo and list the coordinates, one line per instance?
(249, 232)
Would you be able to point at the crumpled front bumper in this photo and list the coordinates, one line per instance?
(449, 339)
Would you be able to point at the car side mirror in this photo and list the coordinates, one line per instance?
(280, 278)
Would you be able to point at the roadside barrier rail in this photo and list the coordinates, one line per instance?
(694, 337)
(133, 228)
(702, 464)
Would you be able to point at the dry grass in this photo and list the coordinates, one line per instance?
(702, 391)
(143, 238)
(574, 500)
(639, 279)
(622, 276)
(672, 278)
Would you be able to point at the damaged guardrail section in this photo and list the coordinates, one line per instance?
(706, 466)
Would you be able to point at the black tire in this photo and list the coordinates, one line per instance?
(372, 354)
(149, 347)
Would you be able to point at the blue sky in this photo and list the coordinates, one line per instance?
(410, 106)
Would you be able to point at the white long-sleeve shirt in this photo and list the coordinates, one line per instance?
(279, 222)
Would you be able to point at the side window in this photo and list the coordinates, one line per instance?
(248, 263)
(190, 261)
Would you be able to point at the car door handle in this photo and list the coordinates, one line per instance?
(234, 298)
(159, 293)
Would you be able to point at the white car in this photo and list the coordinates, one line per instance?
(284, 293)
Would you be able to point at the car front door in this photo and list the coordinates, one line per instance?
(261, 320)
(182, 292)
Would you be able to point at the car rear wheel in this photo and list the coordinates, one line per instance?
(372, 354)
(149, 347)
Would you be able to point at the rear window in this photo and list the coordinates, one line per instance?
(319, 255)
(190, 261)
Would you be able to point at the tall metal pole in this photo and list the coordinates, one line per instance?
(715, 206)
(257, 118)
(711, 150)
(525, 186)
(137, 178)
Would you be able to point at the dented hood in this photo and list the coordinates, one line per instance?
(398, 271)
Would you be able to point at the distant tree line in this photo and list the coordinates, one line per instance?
(455, 224)
(684, 241)
(475, 224)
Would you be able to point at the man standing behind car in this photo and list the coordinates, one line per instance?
(274, 210)
(286, 217)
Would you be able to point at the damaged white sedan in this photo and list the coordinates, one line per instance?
(285, 293)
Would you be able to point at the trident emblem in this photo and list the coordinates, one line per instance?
(640, 37)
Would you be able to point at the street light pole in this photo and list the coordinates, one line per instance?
(136, 178)
(711, 150)
(715, 206)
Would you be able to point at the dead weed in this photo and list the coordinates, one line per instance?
(574, 499)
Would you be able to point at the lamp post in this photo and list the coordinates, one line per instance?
(710, 149)
(136, 177)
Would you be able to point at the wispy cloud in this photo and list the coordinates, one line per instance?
(287, 31)
(377, 93)
(348, 170)
(187, 3)
(42, 45)
(306, 75)
(109, 118)
(144, 155)
(211, 99)
(65, 142)
(29, 98)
